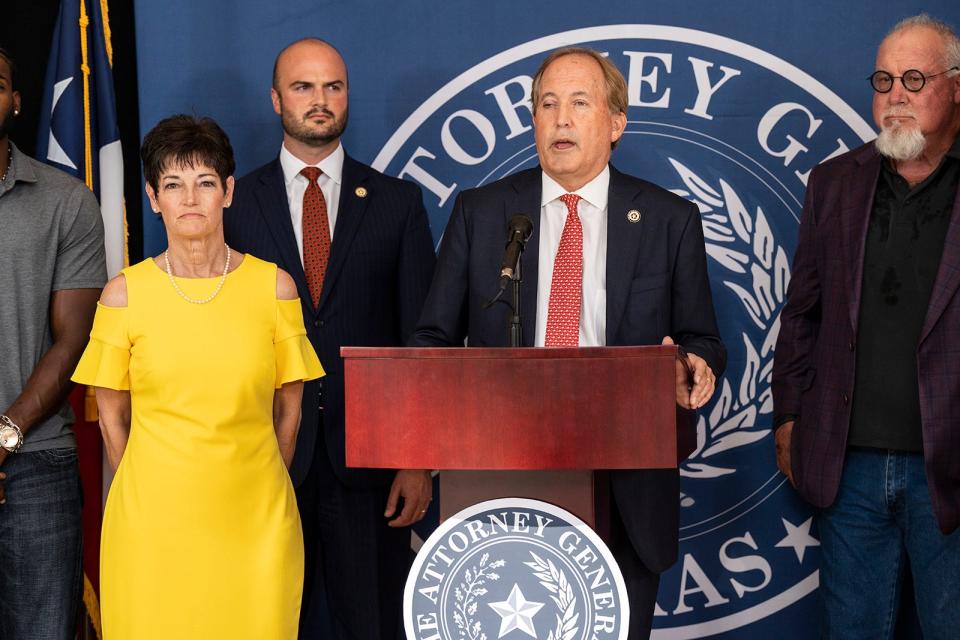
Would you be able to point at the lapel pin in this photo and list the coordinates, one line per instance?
(361, 192)
(633, 215)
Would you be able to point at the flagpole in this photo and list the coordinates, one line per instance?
(85, 68)
(79, 119)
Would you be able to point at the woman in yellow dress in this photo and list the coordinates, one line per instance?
(198, 357)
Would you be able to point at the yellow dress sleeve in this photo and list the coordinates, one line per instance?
(296, 359)
(106, 360)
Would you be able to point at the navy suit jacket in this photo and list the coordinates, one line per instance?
(378, 273)
(657, 285)
(815, 362)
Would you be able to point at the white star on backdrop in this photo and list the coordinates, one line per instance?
(798, 537)
(516, 612)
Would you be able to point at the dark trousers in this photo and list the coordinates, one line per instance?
(356, 565)
(641, 583)
(41, 576)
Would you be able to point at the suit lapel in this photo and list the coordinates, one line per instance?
(623, 246)
(948, 274)
(858, 193)
(271, 195)
(526, 200)
(350, 212)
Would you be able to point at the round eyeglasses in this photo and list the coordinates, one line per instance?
(912, 80)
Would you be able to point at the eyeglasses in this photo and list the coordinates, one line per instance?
(912, 80)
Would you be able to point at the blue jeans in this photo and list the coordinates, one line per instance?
(881, 522)
(41, 578)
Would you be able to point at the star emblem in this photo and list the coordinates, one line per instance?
(798, 537)
(54, 151)
(516, 612)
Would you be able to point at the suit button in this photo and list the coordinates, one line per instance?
(318, 323)
(850, 345)
(846, 399)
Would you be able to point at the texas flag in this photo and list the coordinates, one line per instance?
(79, 134)
(78, 127)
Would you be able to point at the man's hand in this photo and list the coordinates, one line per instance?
(416, 488)
(704, 382)
(782, 437)
(3, 492)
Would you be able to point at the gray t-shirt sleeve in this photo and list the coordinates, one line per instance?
(81, 259)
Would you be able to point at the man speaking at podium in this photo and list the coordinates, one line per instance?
(612, 260)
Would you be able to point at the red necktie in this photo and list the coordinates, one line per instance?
(566, 288)
(316, 234)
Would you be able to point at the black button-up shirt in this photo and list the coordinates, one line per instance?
(902, 254)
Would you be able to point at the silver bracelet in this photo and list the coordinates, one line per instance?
(11, 437)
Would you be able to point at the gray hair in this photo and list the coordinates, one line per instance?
(951, 43)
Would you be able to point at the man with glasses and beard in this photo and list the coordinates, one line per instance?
(866, 378)
(358, 244)
(52, 268)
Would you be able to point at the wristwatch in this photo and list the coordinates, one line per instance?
(11, 437)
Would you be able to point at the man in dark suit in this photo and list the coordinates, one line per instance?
(866, 380)
(613, 260)
(358, 245)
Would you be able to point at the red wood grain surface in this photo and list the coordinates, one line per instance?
(478, 408)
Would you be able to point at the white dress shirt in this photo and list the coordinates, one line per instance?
(296, 184)
(592, 210)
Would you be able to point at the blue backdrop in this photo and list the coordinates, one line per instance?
(731, 105)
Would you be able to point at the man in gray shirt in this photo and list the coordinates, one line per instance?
(51, 271)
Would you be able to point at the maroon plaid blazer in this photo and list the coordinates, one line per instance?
(813, 371)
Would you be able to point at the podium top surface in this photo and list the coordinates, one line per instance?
(506, 353)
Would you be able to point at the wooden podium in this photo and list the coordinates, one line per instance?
(532, 423)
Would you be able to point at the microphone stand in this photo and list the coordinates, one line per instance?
(519, 231)
(516, 326)
(516, 329)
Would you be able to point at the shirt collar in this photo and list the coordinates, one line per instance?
(19, 170)
(952, 152)
(331, 166)
(595, 192)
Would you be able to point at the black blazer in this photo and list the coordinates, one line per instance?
(657, 285)
(381, 261)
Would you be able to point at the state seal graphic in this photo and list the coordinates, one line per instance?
(736, 130)
(515, 568)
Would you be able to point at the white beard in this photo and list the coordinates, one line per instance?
(900, 143)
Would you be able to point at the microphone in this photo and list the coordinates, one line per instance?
(519, 230)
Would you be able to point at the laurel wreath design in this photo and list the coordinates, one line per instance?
(466, 594)
(561, 592)
(742, 243)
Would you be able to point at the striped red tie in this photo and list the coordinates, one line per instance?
(566, 288)
(316, 234)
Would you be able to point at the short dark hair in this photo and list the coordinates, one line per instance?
(186, 141)
(5, 55)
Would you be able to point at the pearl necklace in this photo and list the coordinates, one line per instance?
(223, 278)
